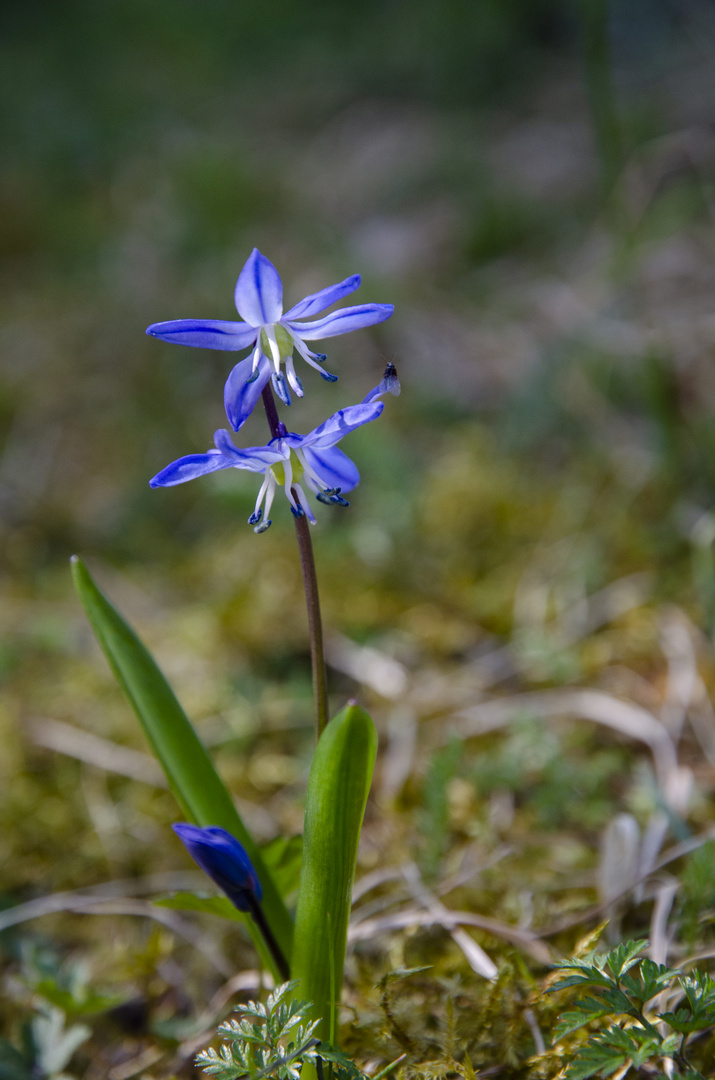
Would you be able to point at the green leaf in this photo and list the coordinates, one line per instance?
(592, 1060)
(191, 774)
(338, 787)
(283, 856)
(188, 901)
(618, 1001)
(655, 978)
(88, 1004)
(345, 1066)
(625, 956)
(588, 1010)
(583, 979)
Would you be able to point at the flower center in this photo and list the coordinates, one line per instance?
(276, 342)
(279, 472)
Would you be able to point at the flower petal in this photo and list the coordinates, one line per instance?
(189, 467)
(338, 425)
(259, 291)
(333, 467)
(341, 322)
(224, 859)
(253, 458)
(205, 333)
(318, 301)
(240, 395)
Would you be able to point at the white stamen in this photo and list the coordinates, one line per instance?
(288, 470)
(293, 379)
(304, 351)
(256, 357)
(261, 493)
(305, 504)
(271, 480)
(273, 345)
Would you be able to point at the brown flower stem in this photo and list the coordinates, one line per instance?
(269, 404)
(310, 583)
(315, 625)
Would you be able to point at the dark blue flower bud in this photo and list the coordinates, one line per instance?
(224, 860)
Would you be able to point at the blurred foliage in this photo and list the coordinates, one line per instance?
(532, 184)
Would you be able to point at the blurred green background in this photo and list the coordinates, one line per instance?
(531, 183)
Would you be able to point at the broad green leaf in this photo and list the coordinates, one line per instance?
(283, 856)
(191, 774)
(212, 905)
(338, 787)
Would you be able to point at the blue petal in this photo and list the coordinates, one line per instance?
(259, 292)
(338, 425)
(205, 333)
(334, 468)
(318, 301)
(240, 395)
(254, 458)
(224, 859)
(189, 467)
(341, 322)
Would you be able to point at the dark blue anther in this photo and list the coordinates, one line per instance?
(321, 357)
(322, 498)
(297, 511)
(255, 517)
(338, 500)
(263, 526)
(328, 377)
(252, 377)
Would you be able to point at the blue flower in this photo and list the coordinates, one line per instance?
(224, 860)
(273, 335)
(288, 461)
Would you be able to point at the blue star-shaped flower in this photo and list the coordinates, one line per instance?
(287, 461)
(273, 335)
